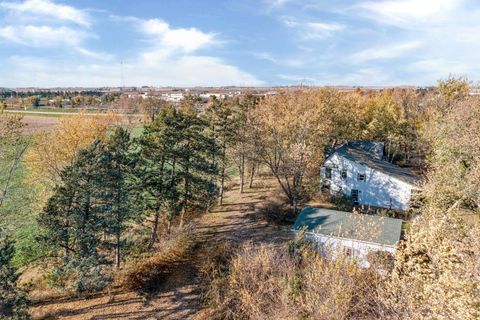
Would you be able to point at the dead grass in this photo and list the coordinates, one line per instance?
(276, 210)
(152, 271)
(271, 282)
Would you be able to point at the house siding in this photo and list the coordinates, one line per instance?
(378, 189)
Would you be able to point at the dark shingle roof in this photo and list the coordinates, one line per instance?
(357, 151)
(370, 228)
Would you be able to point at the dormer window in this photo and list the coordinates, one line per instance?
(361, 177)
(343, 174)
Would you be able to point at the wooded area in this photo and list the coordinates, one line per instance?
(106, 199)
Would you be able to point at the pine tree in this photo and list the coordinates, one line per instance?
(195, 169)
(221, 120)
(174, 172)
(117, 187)
(74, 219)
(156, 168)
(13, 300)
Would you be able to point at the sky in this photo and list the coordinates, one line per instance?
(91, 43)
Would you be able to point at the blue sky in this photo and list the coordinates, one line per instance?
(48, 43)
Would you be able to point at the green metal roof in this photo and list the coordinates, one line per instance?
(369, 228)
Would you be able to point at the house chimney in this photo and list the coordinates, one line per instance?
(377, 149)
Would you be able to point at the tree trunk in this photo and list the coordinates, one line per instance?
(182, 217)
(242, 172)
(294, 207)
(252, 173)
(185, 199)
(118, 253)
(153, 237)
(222, 183)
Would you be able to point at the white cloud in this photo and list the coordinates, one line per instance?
(168, 57)
(274, 4)
(321, 29)
(312, 30)
(48, 9)
(42, 36)
(408, 13)
(439, 67)
(94, 54)
(186, 40)
(386, 52)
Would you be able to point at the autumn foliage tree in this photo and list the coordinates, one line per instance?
(437, 270)
(291, 132)
(52, 151)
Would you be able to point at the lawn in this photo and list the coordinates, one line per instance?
(18, 217)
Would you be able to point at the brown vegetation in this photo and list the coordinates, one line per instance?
(267, 282)
(151, 272)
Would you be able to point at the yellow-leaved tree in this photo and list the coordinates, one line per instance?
(437, 274)
(52, 151)
(291, 132)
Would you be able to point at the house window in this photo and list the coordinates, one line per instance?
(343, 174)
(354, 195)
(348, 251)
(361, 177)
(328, 173)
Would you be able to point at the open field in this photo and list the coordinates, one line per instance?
(181, 296)
(39, 123)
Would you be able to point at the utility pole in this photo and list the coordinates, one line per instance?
(122, 77)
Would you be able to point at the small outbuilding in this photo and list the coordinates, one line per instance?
(357, 235)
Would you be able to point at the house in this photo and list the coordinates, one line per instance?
(357, 169)
(357, 235)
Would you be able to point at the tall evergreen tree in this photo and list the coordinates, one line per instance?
(75, 218)
(222, 123)
(156, 168)
(174, 173)
(117, 187)
(13, 300)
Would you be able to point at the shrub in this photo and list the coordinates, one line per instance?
(267, 282)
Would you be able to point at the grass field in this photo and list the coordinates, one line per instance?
(18, 217)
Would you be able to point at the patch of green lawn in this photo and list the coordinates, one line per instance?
(19, 219)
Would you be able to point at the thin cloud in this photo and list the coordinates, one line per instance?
(314, 29)
(48, 9)
(408, 13)
(387, 52)
(42, 36)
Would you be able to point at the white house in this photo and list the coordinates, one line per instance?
(356, 235)
(357, 169)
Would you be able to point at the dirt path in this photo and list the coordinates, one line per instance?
(180, 297)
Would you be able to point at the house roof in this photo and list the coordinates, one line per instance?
(358, 151)
(369, 228)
